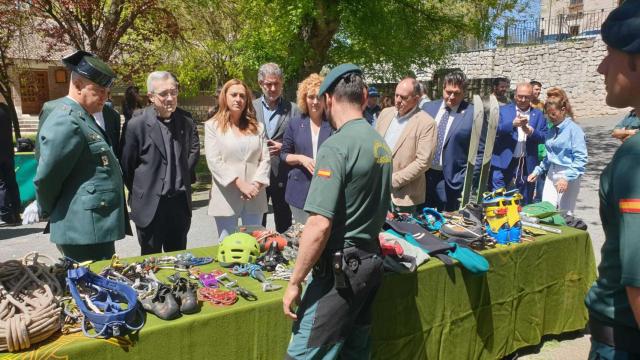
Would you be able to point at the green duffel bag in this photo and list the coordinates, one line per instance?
(546, 212)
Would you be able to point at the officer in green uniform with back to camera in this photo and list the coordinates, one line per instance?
(78, 180)
(348, 201)
(614, 299)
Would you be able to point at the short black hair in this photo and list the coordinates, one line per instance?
(534, 83)
(498, 80)
(350, 88)
(456, 77)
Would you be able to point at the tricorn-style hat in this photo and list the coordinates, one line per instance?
(335, 75)
(621, 30)
(89, 66)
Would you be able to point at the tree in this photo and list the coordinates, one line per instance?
(389, 38)
(114, 30)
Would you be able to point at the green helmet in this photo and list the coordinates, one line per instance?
(238, 248)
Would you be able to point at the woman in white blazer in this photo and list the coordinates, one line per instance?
(238, 158)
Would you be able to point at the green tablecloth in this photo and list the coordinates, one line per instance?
(25, 166)
(532, 289)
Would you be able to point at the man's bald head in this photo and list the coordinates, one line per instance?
(407, 95)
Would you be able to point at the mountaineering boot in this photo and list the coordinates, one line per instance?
(163, 305)
(185, 292)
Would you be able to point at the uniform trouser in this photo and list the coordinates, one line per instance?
(228, 224)
(333, 322)
(95, 252)
(600, 351)
(281, 211)
(539, 188)
(9, 192)
(515, 173)
(438, 194)
(299, 215)
(169, 227)
(563, 201)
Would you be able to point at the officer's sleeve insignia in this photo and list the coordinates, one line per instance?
(629, 205)
(324, 173)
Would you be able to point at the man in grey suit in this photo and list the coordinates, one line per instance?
(275, 112)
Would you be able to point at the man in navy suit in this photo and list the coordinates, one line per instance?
(454, 119)
(515, 154)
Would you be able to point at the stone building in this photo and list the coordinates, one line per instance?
(574, 17)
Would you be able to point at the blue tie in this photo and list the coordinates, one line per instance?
(442, 131)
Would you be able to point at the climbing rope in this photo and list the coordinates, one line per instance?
(29, 302)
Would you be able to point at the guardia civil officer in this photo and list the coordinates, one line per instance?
(78, 180)
(347, 202)
(614, 300)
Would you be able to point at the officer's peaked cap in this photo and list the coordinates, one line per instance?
(91, 67)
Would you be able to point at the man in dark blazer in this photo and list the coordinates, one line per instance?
(9, 191)
(520, 130)
(454, 120)
(275, 112)
(159, 154)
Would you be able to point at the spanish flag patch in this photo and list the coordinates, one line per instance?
(324, 173)
(630, 205)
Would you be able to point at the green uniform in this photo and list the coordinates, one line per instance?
(351, 185)
(620, 214)
(630, 121)
(78, 180)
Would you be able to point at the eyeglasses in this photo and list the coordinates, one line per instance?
(523, 97)
(165, 94)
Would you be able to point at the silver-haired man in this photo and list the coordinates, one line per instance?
(159, 154)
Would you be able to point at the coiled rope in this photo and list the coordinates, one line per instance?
(29, 303)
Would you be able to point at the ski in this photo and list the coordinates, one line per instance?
(476, 131)
(490, 138)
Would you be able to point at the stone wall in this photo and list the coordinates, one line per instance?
(570, 65)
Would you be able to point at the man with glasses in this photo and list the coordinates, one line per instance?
(275, 112)
(454, 120)
(159, 153)
(411, 136)
(521, 129)
(78, 180)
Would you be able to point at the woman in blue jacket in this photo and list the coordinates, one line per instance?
(300, 144)
(566, 154)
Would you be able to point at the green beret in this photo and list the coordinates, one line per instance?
(621, 30)
(335, 75)
(89, 66)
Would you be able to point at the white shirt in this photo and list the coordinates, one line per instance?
(99, 119)
(439, 117)
(396, 127)
(314, 142)
(519, 151)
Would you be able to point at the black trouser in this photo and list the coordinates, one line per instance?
(438, 195)
(169, 227)
(9, 192)
(281, 210)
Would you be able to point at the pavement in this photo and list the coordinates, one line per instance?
(17, 241)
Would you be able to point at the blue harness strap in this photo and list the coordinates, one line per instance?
(116, 319)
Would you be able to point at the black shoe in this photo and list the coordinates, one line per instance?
(163, 304)
(185, 292)
(10, 220)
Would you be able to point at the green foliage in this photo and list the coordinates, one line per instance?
(389, 38)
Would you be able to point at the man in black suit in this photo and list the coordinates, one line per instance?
(275, 112)
(159, 154)
(9, 192)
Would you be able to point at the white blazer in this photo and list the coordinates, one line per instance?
(227, 161)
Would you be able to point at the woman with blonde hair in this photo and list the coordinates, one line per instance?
(566, 154)
(300, 144)
(238, 158)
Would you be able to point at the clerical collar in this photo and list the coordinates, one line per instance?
(164, 120)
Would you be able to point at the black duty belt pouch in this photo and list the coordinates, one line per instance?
(620, 337)
(426, 240)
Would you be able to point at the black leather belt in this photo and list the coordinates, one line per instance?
(620, 337)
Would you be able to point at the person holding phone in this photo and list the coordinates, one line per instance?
(521, 129)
